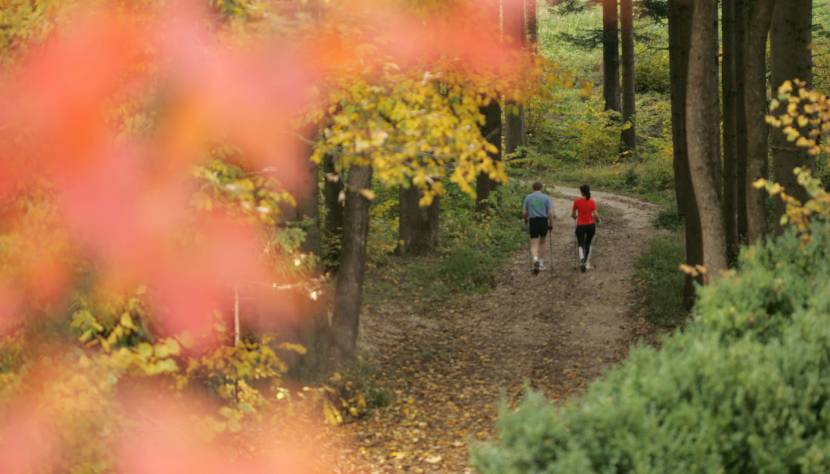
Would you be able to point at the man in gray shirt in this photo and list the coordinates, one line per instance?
(539, 216)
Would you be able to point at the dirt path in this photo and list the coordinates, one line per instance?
(554, 332)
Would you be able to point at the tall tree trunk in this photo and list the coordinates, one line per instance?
(491, 131)
(629, 134)
(308, 210)
(791, 36)
(333, 223)
(417, 225)
(730, 131)
(741, 143)
(610, 55)
(755, 100)
(680, 15)
(532, 11)
(703, 129)
(348, 295)
(514, 33)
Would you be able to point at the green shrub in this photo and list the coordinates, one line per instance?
(652, 71)
(662, 283)
(669, 219)
(745, 388)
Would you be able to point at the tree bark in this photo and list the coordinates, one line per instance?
(610, 55)
(730, 131)
(491, 131)
(349, 292)
(791, 56)
(703, 129)
(308, 210)
(514, 33)
(629, 134)
(333, 222)
(417, 225)
(532, 24)
(755, 101)
(741, 144)
(679, 35)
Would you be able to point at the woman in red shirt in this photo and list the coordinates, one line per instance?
(585, 213)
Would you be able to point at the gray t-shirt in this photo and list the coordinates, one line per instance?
(537, 204)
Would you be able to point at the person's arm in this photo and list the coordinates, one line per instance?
(573, 211)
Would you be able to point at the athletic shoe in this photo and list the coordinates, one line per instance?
(587, 266)
(541, 264)
(584, 267)
(537, 265)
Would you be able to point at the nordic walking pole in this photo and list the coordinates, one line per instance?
(529, 244)
(594, 242)
(550, 248)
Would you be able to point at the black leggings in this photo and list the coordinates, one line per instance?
(584, 236)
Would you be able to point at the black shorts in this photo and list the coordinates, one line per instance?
(538, 227)
(585, 234)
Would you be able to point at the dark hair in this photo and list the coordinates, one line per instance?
(537, 186)
(586, 191)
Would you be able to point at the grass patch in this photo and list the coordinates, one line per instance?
(661, 282)
(473, 247)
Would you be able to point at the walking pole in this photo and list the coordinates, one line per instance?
(529, 250)
(550, 249)
(593, 244)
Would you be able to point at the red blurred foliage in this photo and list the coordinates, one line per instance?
(124, 201)
(167, 440)
(26, 443)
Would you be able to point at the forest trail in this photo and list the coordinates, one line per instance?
(554, 332)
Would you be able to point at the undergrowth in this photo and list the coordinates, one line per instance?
(661, 283)
(472, 248)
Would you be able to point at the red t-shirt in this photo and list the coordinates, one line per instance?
(584, 211)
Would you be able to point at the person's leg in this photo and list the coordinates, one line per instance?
(580, 242)
(589, 237)
(534, 248)
(543, 236)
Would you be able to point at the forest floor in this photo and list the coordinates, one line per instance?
(446, 372)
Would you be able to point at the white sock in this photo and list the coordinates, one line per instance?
(581, 254)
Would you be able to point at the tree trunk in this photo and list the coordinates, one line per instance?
(703, 129)
(629, 134)
(333, 223)
(514, 33)
(741, 144)
(679, 36)
(417, 225)
(610, 55)
(349, 292)
(532, 24)
(791, 36)
(491, 131)
(730, 131)
(755, 101)
(308, 210)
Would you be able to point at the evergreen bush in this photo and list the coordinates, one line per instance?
(745, 388)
